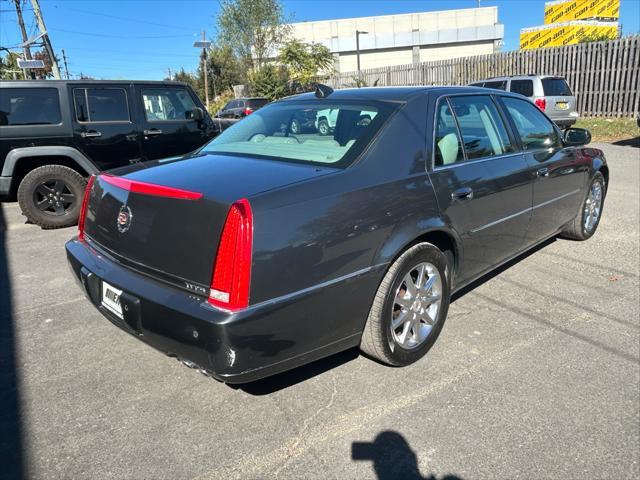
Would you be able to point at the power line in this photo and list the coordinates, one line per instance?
(91, 34)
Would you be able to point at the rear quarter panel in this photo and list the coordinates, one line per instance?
(355, 219)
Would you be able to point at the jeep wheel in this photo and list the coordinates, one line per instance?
(51, 196)
(323, 127)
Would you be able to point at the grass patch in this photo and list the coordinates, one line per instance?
(608, 129)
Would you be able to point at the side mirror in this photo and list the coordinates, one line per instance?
(575, 137)
(197, 114)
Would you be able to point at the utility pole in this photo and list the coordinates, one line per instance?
(45, 38)
(25, 39)
(66, 67)
(358, 33)
(204, 67)
(170, 76)
(478, 3)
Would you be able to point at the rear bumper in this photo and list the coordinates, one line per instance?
(232, 347)
(5, 185)
(566, 121)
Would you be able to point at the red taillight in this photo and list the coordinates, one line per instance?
(248, 111)
(232, 269)
(541, 103)
(149, 188)
(83, 208)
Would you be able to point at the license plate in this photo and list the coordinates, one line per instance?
(111, 299)
(562, 106)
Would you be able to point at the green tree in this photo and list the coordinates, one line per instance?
(252, 28)
(224, 70)
(9, 67)
(307, 63)
(271, 81)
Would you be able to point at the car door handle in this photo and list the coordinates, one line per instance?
(153, 131)
(91, 134)
(462, 194)
(543, 172)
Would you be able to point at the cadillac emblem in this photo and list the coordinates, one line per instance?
(124, 219)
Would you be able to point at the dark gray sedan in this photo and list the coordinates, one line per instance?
(267, 249)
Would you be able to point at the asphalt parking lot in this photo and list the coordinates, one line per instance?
(536, 375)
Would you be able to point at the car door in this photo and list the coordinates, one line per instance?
(481, 181)
(168, 127)
(558, 173)
(104, 128)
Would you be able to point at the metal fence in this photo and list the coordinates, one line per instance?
(603, 75)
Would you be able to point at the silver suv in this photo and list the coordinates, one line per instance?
(551, 94)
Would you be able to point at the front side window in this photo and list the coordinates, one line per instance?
(534, 129)
(29, 106)
(167, 104)
(101, 105)
(523, 87)
(267, 133)
(448, 147)
(482, 129)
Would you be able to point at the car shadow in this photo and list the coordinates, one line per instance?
(11, 440)
(292, 377)
(628, 142)
(392, 458)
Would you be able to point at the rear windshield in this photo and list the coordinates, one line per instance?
(256, 103)
(29, 106)
(556, 87)
(334, 135)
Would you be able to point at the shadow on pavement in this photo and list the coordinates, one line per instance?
(629, 142)
(392, 458)
(11, 452)
(292, 377)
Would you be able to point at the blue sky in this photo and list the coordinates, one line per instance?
(141, 39)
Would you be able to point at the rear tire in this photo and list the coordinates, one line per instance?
(323, 127)
(584, 225)
(51, 196)
(395, 305)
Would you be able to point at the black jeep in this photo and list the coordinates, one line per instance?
(54, 134)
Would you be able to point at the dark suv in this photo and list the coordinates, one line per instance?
(54, 134)
(241, 107)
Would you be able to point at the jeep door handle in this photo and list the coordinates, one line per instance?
(543, 172)
(153, 131)
(91, 134)
(462, 194)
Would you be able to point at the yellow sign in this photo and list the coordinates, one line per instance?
(567, 33)
(569, 10)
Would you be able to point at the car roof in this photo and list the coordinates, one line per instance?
(518, 77)
(44, 83)
(389, 94)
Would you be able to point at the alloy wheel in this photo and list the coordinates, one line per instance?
(593, 207)
(54, 197)
(416, 306)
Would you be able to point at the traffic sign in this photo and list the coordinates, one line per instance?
(30, 63)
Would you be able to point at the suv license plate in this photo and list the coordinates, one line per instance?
(562, 106)
(111, 299)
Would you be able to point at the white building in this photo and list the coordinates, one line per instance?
(407, 38)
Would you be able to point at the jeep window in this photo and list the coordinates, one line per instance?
(101, 105)
(167, 104)
(29, 106)
(556, 87)
(523, 87)
(483, 132)
(267, 133)
(535, 130)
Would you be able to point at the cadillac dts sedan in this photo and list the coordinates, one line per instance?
(267, 249)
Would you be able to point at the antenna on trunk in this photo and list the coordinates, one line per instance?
(323, 91)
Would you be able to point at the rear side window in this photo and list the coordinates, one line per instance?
(167, 104)
(483, 131)
(29, 106)
(533, 127)
(448, 147)
(101, 104)
(256, 103)
(523, 87)
(498, 85)
(556, 87)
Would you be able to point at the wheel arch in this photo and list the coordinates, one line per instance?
(21, 161)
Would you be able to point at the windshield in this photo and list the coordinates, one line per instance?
(314, 132)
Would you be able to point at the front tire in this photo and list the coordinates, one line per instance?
(50, 196)
(409, 308)
(323, 127)
(586, 222)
